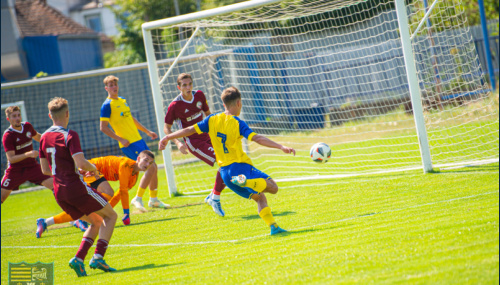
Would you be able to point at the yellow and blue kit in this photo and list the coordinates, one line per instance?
(117, 113)
(226, 132)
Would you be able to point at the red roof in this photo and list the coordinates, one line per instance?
(36, 18)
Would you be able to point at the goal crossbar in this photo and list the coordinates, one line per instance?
(388, 84)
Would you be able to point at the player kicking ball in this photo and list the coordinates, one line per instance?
(186, 110)
(225, 131)
(109, 168)
(60, 156)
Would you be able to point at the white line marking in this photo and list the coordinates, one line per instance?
(253, 237)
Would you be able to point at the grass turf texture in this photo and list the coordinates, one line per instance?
(409, 227)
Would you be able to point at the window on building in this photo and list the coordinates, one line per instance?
(94, 22)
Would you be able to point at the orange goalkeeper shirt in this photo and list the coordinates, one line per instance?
(117, 168)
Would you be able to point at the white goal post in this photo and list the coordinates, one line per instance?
(389, 85)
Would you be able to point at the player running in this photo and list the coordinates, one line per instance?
(226, 130)
(60, 156)
(109, 168)
(22, 165)
(116, 112)
(186, 110)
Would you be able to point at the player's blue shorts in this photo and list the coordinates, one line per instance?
(235, 169)
(132, 150)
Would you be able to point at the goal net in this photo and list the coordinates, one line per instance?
(331, 71)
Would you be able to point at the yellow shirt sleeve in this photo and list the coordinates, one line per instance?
(197, 129)
(250, 136)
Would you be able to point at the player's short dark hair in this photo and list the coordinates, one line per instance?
(183, 76)
(11, 110)
(110, 78)
(57, 106)
(148, 152)
(230, 96)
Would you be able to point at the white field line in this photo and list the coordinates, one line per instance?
(319, 177)
(257, 236)
(364, 179)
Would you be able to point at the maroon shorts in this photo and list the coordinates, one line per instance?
(14, 177)
(78, 199)
(202, 149)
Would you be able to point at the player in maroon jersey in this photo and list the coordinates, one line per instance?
(186, 110)
(18, 144)
(61, 155)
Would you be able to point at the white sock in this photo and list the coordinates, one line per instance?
(79, 259)
(153, 199)
(138, 198)
(49, 221)
(215, 197)
(97, 256)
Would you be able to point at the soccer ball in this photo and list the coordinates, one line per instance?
(320, 152)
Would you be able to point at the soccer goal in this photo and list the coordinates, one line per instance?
(389, 85)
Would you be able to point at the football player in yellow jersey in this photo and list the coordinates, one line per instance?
(226, 131)
(110, 168)
(116, 112)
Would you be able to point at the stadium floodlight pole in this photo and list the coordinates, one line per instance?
(160, 114)
(411, 73)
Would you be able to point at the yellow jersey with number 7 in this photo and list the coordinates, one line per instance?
(226, 132)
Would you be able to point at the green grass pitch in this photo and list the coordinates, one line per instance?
(406, 228)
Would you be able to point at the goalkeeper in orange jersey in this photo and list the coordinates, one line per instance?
(110, 168)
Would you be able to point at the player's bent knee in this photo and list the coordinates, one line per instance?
(111, 215)
(94, 219)
(5, 194)
(272, 187)
(48, 183)
(153, 167)
(105, 188)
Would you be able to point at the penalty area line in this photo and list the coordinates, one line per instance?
(257, 236)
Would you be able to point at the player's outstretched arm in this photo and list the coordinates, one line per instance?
(168, 130)
(44, 165)
(139, 126)
(104, 127)
(175, 135)
(37, 137)
(262, 140)
(13, 158)
(83, 163)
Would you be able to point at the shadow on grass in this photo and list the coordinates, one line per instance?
(153, 221)
(468, 168)
(253, 217)
(293, 232)
(367, 214)
(188, 205)
(142, 267)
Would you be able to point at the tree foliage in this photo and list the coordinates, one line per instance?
(133, 13)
